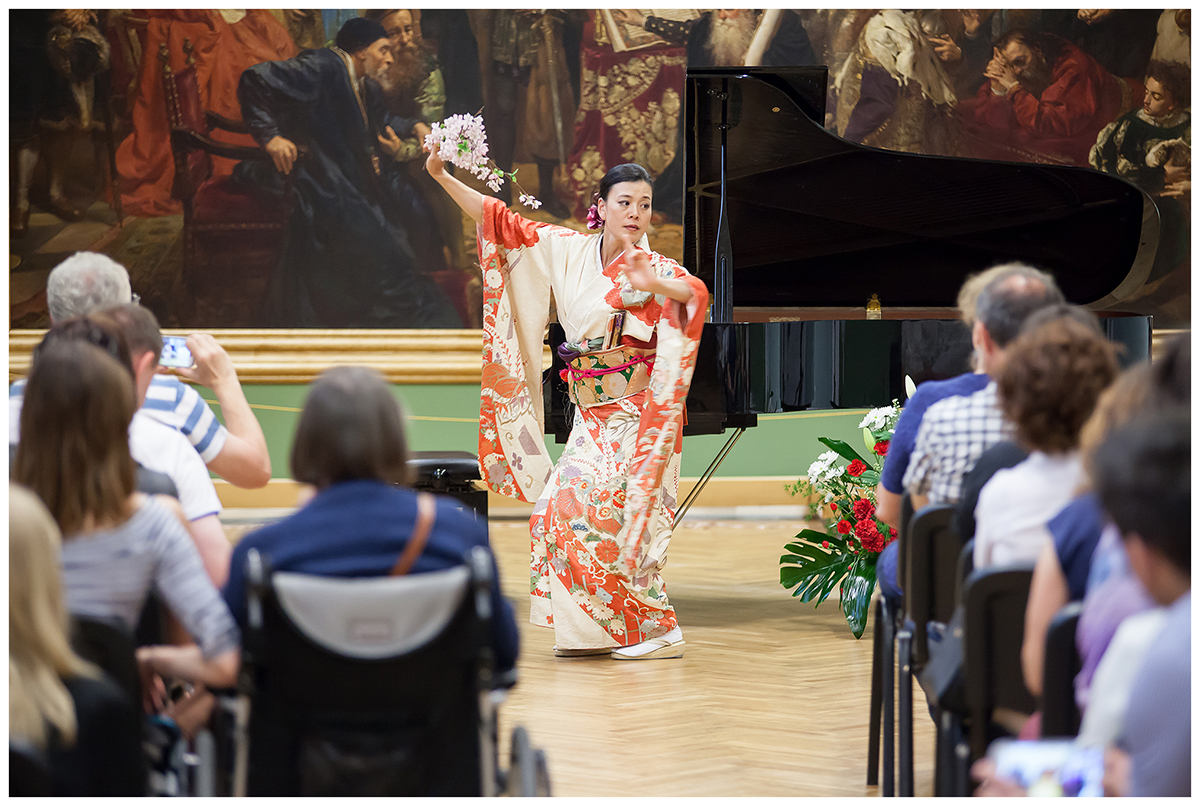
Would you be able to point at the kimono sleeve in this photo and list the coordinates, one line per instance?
(515, 256)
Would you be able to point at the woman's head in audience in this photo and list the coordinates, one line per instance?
(1052, 374)
(351, 428)
(97, 329)
(39, 653)
(1143, 476)
(74, 448)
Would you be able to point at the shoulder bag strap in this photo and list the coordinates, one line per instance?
(426, 514)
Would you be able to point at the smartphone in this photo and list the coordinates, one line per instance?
(175, 352)
(1051, 767)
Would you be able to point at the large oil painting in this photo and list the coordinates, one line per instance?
(145, 135)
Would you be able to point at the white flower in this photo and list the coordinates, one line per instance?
(877, 419)
(530, 201)
(820, 469)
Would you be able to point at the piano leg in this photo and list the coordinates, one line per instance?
(708, 474)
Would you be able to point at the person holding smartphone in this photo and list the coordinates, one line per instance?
(87, 282)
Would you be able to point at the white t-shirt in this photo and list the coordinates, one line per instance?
(1016, 503)
(160, 447)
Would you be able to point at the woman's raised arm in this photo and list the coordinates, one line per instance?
(470, 200)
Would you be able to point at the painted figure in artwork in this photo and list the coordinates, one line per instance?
(222, 44)
(1045, 100)
(604, 513)
(57, 60)
(892, 92)
(346, 262)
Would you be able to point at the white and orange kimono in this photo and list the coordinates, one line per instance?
(604, 512)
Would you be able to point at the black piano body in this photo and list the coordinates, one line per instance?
(794, 229)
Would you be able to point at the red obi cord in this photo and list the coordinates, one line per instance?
(647, 359)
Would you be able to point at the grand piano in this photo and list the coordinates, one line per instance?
(795, 230)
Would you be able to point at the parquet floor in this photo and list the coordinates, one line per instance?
(770, 699)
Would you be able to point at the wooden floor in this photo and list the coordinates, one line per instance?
(770, 699)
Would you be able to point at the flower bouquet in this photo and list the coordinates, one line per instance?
(461, 140)
(844, 555)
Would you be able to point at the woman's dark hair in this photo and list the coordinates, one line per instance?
(629, 172)
(1143, 475)
(97, 330)
(74, 448)
(351, 428)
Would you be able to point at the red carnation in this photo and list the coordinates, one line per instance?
(869, 536)
(844, 527)
(833, 506)
(824, 544)
(892, 530)
(863, 509)
(881, 447)
(857, 467)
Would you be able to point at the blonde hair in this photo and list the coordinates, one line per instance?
(39, 652)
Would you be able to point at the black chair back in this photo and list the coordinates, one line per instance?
(110, 645)
(1060, 714)
(367, 686)
(28, 771)
(931, 585)
(994, 629)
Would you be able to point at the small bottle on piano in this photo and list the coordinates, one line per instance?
(874, 309)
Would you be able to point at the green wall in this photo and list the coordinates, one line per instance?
(443, 417)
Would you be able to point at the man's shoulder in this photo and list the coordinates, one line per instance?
(146, 430)
(931, 392)
(957, 405)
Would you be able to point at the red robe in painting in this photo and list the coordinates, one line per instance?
(1060, 126)
(222, 52)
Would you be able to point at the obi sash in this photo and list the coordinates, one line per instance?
(602, 377)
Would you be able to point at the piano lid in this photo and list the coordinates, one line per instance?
(817, 223)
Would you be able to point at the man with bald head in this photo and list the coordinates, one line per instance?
(955, 431)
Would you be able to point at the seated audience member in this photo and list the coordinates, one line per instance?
(1113, 590)
(118, 543)
(151, 443)
(88, 282)
(954, 431)
(1063, 565)
(57, 702)
(1143, 478)
(1048, 385)
(890, 489)
(350, 445)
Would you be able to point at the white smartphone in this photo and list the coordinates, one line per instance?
(175, 352)
(1051, 767)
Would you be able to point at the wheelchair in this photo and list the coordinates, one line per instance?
(379, 686)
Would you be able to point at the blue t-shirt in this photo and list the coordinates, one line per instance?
(905, 434)
(1076, 530)
(359, 529)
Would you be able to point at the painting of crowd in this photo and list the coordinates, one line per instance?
(565, 95)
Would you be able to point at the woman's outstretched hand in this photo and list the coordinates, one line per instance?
(638, 269)
(433, 163)
(642, 276)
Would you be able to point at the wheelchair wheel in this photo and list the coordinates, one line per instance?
(522, 771)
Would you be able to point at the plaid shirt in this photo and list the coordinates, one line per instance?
(954, 433)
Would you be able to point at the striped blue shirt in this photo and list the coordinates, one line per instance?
(171, 401)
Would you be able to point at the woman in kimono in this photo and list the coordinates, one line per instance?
(604, 513)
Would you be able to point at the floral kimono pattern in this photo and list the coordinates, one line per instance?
(603, 514)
